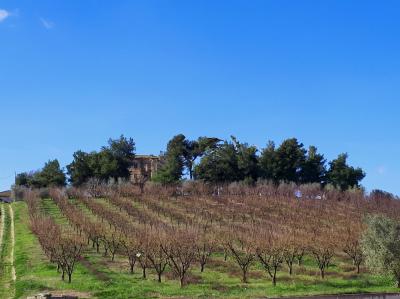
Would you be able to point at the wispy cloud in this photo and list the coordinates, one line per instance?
(381, 170)
(4, 14)
(46, 23)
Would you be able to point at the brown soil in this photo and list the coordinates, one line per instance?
(88, 265)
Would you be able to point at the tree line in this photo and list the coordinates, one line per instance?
(231, 161)
(111, 162)
(208, 159)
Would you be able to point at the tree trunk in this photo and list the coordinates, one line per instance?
(144, 272)
(69, 277)
(202, 267)
(182, 280)
(322, 273)
(299, 260)
(159, 277)
(141, 188)
(132, 265)
(244, 278)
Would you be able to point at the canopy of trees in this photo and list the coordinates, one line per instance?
(208, 159)
(112, 161)
(180, 157)
(343, 176)
(51, 175)
(228, 162)
(290, 162)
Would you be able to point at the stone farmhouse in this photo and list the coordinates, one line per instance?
(144, 167)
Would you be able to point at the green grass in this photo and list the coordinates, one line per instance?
(34, 272)
(104, 279)
(6, 283)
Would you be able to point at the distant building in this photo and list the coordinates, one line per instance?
(5, 193)
(5, 197)
(144, 167)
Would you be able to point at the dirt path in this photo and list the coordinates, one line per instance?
(13, 275)
(99, 275)
(7, 242)
(2, 225)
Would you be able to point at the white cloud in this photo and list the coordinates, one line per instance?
(46, 23)
(4, 14)
(381, 170)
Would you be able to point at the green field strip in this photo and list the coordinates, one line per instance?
(141, 210)
(6, 262)
(86, 211)
(179, 210)
(121, 212)
(12, 253)
(2, 220)
(174, 215)
(50, 208)
(141, 207)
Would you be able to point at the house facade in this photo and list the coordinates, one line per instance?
(144, 167)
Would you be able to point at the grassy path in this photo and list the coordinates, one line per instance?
(13, 274)
(1, 225)
(7, 282)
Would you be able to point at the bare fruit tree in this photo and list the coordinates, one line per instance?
(157, 256)
(205, 245)
(181, 251)
(270, 252)
(243, 250)
(323, 249)
(351, 242)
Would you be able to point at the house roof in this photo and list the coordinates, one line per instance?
(146, 157)
(5, 193)
(6, 199)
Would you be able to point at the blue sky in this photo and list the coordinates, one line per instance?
(74, 73)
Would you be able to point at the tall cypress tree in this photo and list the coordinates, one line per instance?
(313, 169)
(290, 157)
